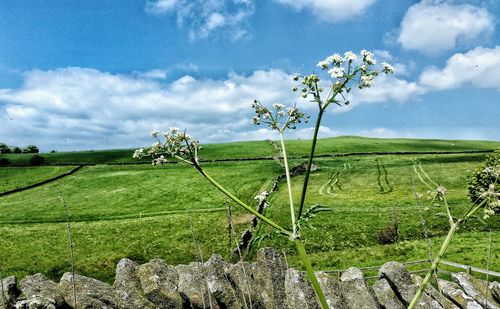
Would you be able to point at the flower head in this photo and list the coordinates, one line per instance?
(280, 118)
(350, 56)
(368, 57)
(387, 68)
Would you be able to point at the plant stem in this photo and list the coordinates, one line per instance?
(309, 162)
(310, 273)
(289, 183)
(241, 203)
(435, 264)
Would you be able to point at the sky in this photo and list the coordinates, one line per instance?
(89, 74)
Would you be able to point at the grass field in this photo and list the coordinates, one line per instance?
(143, 212)
(255, 149)
(16, 177)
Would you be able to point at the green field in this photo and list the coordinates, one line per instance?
(343, 144)
(143, 212)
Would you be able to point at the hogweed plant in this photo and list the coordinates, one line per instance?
(489, 202)
(343, 72)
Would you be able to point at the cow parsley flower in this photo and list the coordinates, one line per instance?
(350, 56)
(336, 72)
(280, 118)
(387, 68)
(323, 64)
(139, 153)
(155, 133)
(366, 81)
(335, 59)
(368, 57)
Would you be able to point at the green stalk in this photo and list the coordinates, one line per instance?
(435, 264)
(241, 203)
(310, 273)
(442, 251)
(309, 161)
(289, 183)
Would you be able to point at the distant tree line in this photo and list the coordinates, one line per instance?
(15, 149)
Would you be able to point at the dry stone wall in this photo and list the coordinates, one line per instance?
(266, 283)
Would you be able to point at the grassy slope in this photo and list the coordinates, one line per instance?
(254, 149)
(125, 196)
(16, 177)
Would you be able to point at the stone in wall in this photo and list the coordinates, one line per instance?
(386, 296)
(433, 293)
(269, 274)
(10, 292)
(90, 293)
(193, 284)
(219, 286)
(299, 292)
(241, 277)
(355, 292)
(459, 297)
(331, 288)
(495, 290)
(476, 288)
(159, 283)
(41, 293)
(403, 286)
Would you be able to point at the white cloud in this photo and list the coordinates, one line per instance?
(153, 74)
(331, 10)
(387, 88)
(93, 109)
(81, 108)
(476, 67)
(206, 18)
(434, 26)
(160, 6)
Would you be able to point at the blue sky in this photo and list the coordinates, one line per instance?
(103, 74)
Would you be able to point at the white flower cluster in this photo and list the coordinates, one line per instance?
(262, 196)
(493, 201)
(175, 143)
(280, 119)
(437, 193)
(492, 170)
(342, 69)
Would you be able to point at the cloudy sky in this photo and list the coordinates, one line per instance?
(86, 74)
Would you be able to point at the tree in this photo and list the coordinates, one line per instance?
(31, 149)
(4, 148)
(15, 149)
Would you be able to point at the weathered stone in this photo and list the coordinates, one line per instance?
(453, 292)
(432, 292)
(495, 290)
(331, 288)
(10, 292)
(159, 283)
(218, 284)
(476, 288)
(126, 280)
(269, 274)
(193, 284)
(400, 280)
(355, 292)
(386, 296)
(90, 293)
(241, 277)
(299, 292)
(40, 292)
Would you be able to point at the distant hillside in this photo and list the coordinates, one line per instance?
(257, 149)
